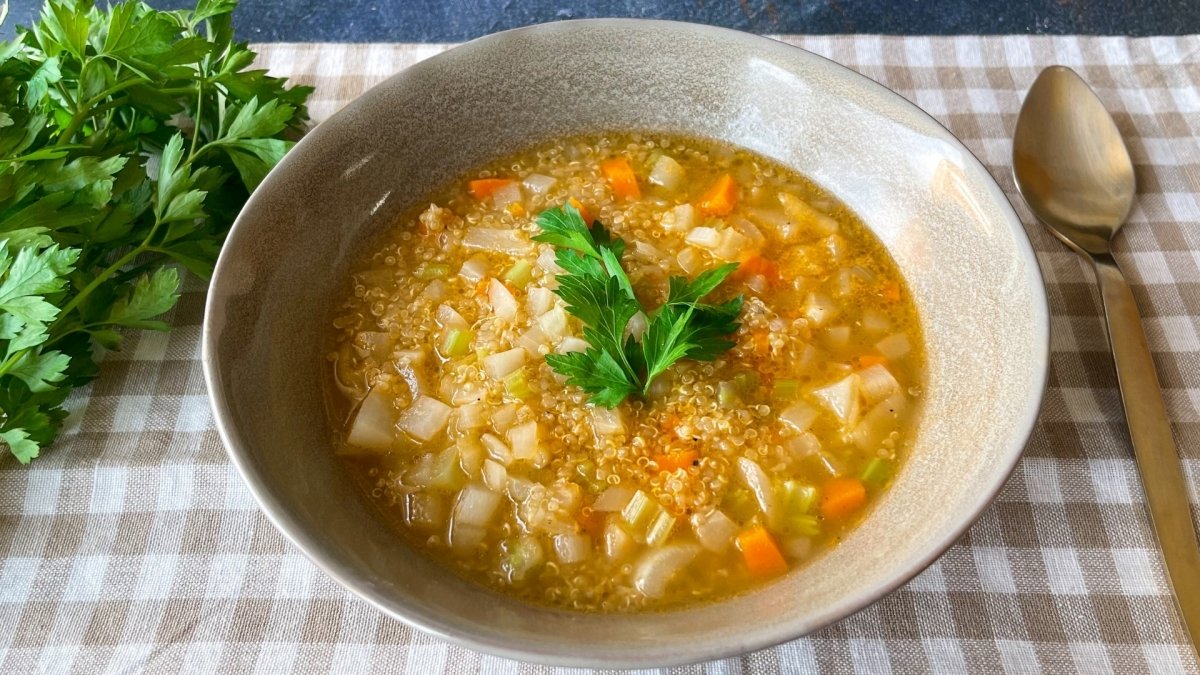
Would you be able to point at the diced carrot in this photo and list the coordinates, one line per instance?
(868, 360)
(583, 212)
(720, 197)
(756, 264)
(678, 459)
(515, 209)
(890, 292)
(762, 343)
(842, 496)
(760, 552)
(483, 188)
(481, 288)
(620, 177)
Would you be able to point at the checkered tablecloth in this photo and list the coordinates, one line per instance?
(132, 545)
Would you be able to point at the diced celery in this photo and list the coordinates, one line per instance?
(877, 473)
(802, 525)
(727, 394)
(430, 271)
(661, 529)
(785, 390)
(640, 509)
(747, 382)
(457, 342)
(516, 384)
(740, 504)
(587, 474)
(520, 273)
(797, 497)
(524, 555)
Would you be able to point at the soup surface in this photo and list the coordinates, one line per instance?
(743, 459)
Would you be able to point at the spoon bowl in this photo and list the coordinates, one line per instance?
(1070, 163)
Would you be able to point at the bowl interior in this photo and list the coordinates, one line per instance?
(948, 226)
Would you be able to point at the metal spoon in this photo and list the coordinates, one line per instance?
(1074, 171)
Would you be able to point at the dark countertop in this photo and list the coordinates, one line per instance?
(455, 20)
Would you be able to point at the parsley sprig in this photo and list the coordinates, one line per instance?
(598, 292)
(129, 140)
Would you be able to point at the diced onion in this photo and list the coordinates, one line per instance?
(538, 184)
(474, 269)
(894, 346)
(465, 538)
(804, 444)
(518, 488)
(805, 218)
(836, 337)
(733, 245)
(668, 173)
(690, 260)
(618, 543)
(472, 416)
(799, 415)
(532, 341)
(714, 530)
(504, 417)
(572, 548)
(435, 291)
(607, 421)
(372, 425)
(495, 476)
(554, 323)
(470, 455)
(879, 421)
(704, 237)
(500, 365)
(512, 242)
(540, 301)
(679, 219)
(841, 398)
(612, 499)
(448, 317)
(572, 344)
(475, 505)
(503, 303)
(760, 484)
(548, 261)
(497, 449)
(523, 440)
(875, 321)
(819, 309)
(637, 325)
(655, 569)
(509, 193)
(424, 510)
(425, 418)
(876, 382)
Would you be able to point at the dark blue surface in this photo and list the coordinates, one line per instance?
(455, 20)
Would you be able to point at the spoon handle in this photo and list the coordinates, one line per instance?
(1157, 459)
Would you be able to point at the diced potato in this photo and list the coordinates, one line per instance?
(554, 323)
(819, 309)
(525, 442)
(714, 530)
(877, 382)
(704, 237)
(804, 218)
(475, 505)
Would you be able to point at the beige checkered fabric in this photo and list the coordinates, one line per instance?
(132, 546)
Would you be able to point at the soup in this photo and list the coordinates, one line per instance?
(626, 372)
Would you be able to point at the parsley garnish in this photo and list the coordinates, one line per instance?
(598, 292)
(129, 140)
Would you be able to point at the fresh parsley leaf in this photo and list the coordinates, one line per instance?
(598, 292)
(129, 140)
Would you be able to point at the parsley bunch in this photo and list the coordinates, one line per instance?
(129, 140)
(598, 292)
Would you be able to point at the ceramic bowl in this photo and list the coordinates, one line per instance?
(962, 249)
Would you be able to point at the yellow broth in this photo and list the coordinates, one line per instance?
(727, 474)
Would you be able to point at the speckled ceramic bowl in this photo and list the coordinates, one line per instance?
(965, 255)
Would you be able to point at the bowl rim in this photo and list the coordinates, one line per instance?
(734, 644)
